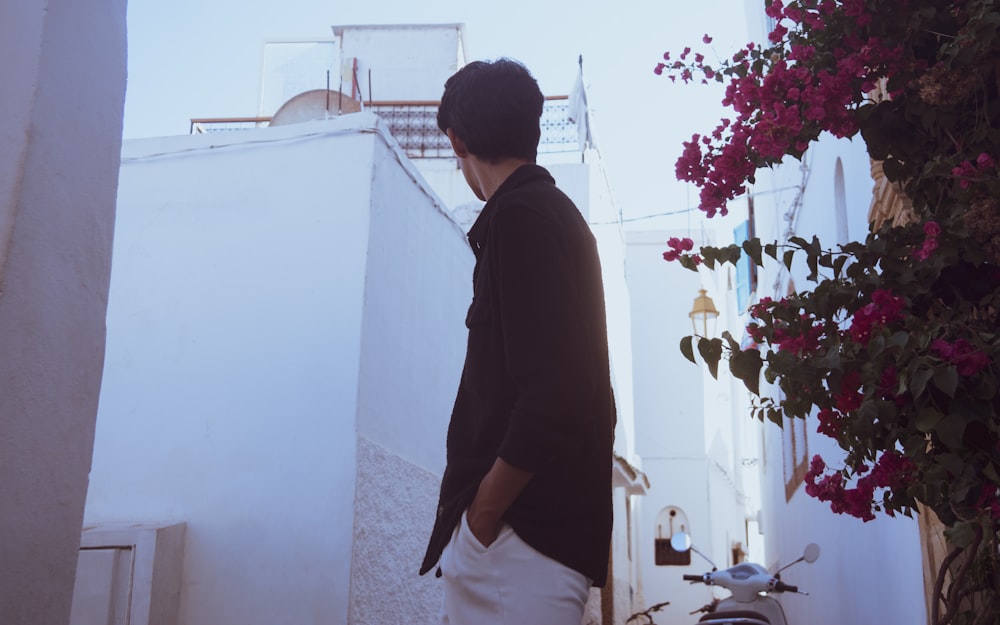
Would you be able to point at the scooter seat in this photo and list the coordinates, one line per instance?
(734, 617)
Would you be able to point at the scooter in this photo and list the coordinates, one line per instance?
(748, 583)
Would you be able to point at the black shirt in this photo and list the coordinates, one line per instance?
(536, 386)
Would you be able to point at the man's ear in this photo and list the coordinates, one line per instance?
(461, 151)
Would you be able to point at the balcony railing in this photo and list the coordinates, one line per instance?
(414, 126)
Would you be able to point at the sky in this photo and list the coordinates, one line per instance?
(202, 58)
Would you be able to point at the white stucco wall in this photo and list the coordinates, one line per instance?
(877, 565)
(235, 358)
(418, 285)
(689, 431)
(291, 67)
(669, 405)
(62, 97)
(402, 62)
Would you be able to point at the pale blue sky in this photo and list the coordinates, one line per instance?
(201, 58)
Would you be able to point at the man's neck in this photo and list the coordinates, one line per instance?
(490, 176)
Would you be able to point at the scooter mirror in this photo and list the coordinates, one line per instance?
(811, 553)
(680, 541)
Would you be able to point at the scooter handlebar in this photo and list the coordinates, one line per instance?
(694, 578)
(783, 587)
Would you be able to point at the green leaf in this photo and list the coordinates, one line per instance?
(898, 339)
(927, 419)
(961, 534)
(812, 261)
(918, 383)
(951, 431)
(711, 352)
(946, 379)
(753, 249)
(771, 249)
(746, 366)
(838, 266)
(730, 341)
(875, 346)
(687, 348)
(787, 259)
(688, 263)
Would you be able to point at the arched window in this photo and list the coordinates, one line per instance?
(671, 519)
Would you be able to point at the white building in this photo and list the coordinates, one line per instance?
(697, 445)
(284, 343)
(868, 572)
(58, 174)
(285, 336)
(725, 477)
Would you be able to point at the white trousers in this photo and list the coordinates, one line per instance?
(507, 583)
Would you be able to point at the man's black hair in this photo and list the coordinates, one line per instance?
(494, 107)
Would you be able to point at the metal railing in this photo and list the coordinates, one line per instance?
(203, 125)
(414, 126)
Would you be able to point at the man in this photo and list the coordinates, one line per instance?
(524, 521)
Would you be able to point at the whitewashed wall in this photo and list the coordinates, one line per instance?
(63, 89)
(684, 424)
(402, 62)
(418, 285)
(868, 572)
(244, 383)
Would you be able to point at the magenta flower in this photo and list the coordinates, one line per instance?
(677, 248)
(967, 359)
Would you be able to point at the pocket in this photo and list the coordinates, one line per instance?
(470, 538)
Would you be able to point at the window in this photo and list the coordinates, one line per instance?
(670, 520)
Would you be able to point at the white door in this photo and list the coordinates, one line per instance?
(103, 593)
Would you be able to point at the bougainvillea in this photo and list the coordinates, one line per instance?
(894, 347)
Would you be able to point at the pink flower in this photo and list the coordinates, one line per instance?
(774, 10)
(884, 309)
(931, 231)
(677, 247)
(989, 501)
(967, 359)
(778, 33)
(967, 171)
(706, 39)
(850, 396)
(829, 422)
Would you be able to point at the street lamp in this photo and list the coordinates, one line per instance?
(703, 311)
